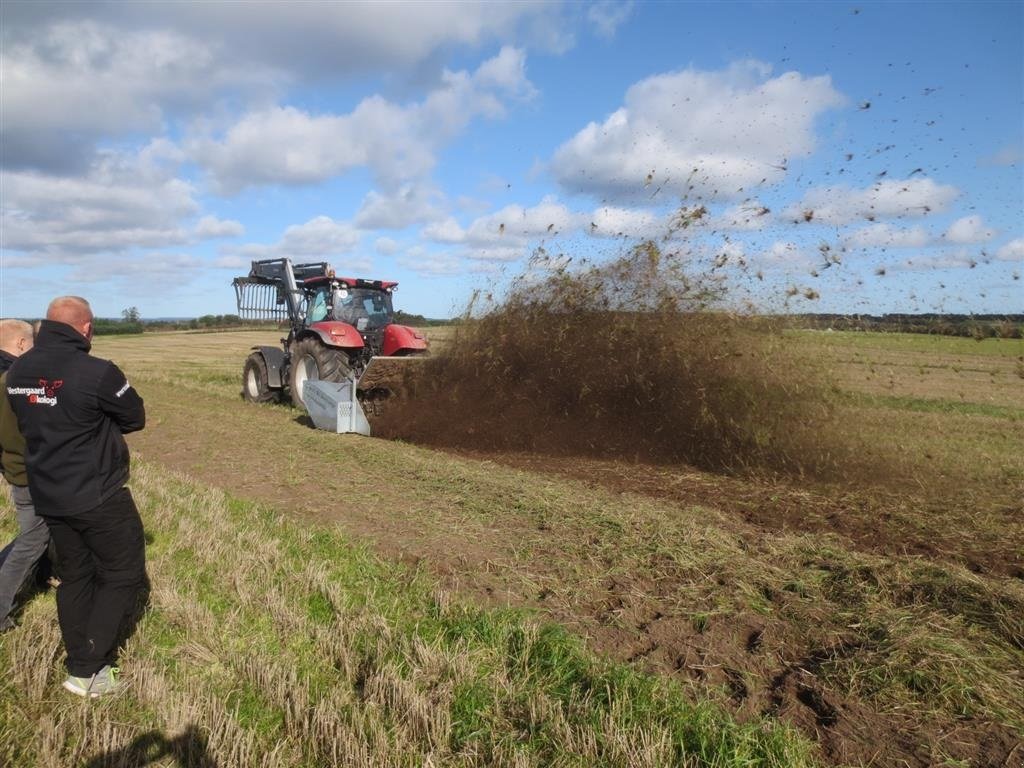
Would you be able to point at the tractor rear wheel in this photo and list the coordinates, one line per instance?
(255, 383)
(312, 360)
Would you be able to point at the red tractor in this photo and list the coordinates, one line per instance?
(337, 326)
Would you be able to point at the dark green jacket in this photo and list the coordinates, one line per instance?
(12, 444)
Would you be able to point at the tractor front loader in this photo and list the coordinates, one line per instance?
(339, 329)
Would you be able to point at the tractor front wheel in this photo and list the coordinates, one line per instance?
(255, 384)
(313, 361)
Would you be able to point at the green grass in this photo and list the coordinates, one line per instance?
(287, 645)
(914, 342)
(384, 666)
(935, 405)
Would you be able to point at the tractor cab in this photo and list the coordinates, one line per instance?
(363, 304)
(365, 308)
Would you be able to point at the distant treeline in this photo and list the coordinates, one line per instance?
(974, 326)
(404, 318)
(105, 326)
(205, 323)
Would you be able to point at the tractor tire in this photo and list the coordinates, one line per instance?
(255, 384)
(311, 359)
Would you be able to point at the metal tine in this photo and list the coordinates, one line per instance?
(258, 301)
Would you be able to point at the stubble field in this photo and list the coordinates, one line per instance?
(331, 599)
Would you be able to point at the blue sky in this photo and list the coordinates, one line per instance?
(850, 157)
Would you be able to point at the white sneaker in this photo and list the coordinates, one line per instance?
(100, 684)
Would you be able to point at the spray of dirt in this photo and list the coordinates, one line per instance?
(633, 359)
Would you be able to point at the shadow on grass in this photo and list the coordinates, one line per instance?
(304, 420)
(189, 750)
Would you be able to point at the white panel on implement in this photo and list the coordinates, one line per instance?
(333, 406)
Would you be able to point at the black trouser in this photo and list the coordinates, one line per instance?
(102, 569)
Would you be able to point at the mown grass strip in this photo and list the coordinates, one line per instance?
(932, 405)
(913, 342)
(270, 643)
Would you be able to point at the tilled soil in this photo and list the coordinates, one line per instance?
(875, 521)
(255, 453)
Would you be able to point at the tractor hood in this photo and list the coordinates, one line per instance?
(393, 339)
(335, 333)
(401, 340)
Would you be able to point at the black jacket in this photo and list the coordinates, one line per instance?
(72, 409)
(6, 361)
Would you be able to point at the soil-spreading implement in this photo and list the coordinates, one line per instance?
(340, 329)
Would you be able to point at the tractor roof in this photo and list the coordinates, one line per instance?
(352, 282)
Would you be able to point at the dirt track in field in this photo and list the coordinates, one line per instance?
(268, 454)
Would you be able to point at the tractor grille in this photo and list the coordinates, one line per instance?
(259, 300)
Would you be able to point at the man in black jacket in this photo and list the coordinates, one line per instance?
(72, 410)
(29, 547)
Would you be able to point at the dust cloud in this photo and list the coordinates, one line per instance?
(637, 359)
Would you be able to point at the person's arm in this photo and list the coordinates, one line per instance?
(12, 444)
(6, 414)
(119, 400)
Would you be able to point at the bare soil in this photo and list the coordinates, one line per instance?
(872, 521)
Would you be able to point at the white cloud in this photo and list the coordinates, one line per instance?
(751, 215)
(75, 73)
(611, 221)
(496, 253)
(386, 246)
(507, 230)
(697, 133)
(909, 198)
(518, 225)
(286, 145)
(606, 16)
(231, 262)
(168, 270)
(123, 202)
(733, 251)
(74, 83)
(1012, 251)
(106, 279)
(784, 253)
(318, 238)
(412, 203)
(513, 231)
(883, 235)
(210, 227)
(431, 264)
(958, 258)
(310, 39)
(446, 231)
(968, 230)
(505, 73)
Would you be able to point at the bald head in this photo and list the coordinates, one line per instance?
(15, 337)
(72, 310)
